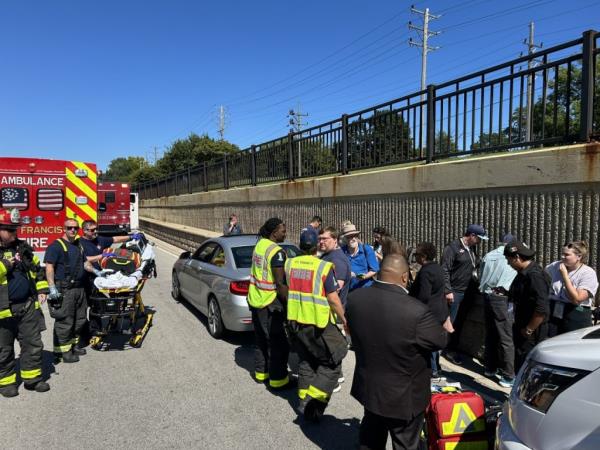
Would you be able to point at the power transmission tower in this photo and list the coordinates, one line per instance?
(531, 63)
(296, 123)
(296, 119)
(425, 34)
(222, 120)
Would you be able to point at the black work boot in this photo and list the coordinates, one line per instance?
(70, 357)
(78, 351)
(9, 391)
(40, 386)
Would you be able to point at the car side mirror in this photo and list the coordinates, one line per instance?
(185, 255)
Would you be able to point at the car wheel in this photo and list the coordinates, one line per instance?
(215, 321)
(175, 290)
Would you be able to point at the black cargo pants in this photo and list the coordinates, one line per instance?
(272, 348)
(69, 319)
(321, 351)
(26, 326)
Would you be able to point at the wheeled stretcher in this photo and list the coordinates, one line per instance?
(116, 301)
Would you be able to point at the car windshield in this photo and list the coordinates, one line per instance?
(243, 255)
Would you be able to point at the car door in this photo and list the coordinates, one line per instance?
(212, 276)
(192, 287)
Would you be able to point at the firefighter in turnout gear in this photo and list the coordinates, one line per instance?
(23, 288)
(312, 306)
(67, 300)
(266, 298)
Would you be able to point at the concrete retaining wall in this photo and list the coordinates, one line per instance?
(546, 197)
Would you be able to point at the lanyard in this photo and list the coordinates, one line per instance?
(468, 249)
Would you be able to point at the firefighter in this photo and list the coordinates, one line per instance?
(266, 298)
(67, 300)
(23, 288)
(312, 306)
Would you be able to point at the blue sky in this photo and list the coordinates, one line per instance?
(98, 80)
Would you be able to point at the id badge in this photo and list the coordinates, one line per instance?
(559, 309)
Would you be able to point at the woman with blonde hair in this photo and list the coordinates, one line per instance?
(574, 286)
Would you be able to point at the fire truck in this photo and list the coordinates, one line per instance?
(46, 192)
(114, 207)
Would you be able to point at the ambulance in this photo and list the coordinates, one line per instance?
(46, 192)
(114, 208)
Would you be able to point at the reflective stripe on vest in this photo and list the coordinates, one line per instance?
(262, 290)
(307, 301)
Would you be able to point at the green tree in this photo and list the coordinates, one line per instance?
(147, 173)
(122, 169)
(384, 138)
(191, 151)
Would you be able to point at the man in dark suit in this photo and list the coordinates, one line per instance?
(393, 335)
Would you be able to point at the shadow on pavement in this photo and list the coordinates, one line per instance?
(47, 364)
(118, 339)
(331, 433)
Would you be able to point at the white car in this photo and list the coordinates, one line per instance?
(555, 401)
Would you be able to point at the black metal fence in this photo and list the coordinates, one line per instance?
(551, 97)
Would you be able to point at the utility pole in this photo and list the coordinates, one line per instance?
(296, 118)
(222, 122)
(531, 48)
(155, 154)
(295, 121)
(426, 33)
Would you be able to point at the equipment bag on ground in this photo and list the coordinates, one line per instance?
(456, 420)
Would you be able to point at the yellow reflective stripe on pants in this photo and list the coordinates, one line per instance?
(75, 340)
(279, 383)
(261, 376)
(317, 394)
(5, 313)
(29, 374)
(11, 379)
(302, 393)
(62, 348)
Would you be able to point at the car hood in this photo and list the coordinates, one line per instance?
(578, 349)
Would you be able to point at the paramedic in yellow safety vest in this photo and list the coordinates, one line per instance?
(312, 307)
(23, 288)
(66, 268)
(266, 298)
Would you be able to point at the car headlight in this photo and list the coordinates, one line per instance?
(542, 383)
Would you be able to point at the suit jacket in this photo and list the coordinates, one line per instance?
(393, 335)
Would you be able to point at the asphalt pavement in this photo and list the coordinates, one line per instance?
(181, 389)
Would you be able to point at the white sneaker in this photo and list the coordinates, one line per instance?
(341, 379)
(338, 388)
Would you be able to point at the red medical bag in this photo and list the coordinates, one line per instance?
(456, 421)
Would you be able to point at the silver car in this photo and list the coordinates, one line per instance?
(215, 280)
(555, 402)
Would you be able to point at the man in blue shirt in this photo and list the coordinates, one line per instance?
(496, 278)
(94, 245)
(363, 261)
(333, 254)
(66, 269)
(312, 229)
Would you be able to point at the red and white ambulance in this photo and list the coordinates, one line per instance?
(114, 207)
(46, 192)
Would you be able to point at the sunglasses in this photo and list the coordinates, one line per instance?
(91, 230)
(72, 228)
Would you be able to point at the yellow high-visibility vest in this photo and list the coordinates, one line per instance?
(307, 301)
(262, 291)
